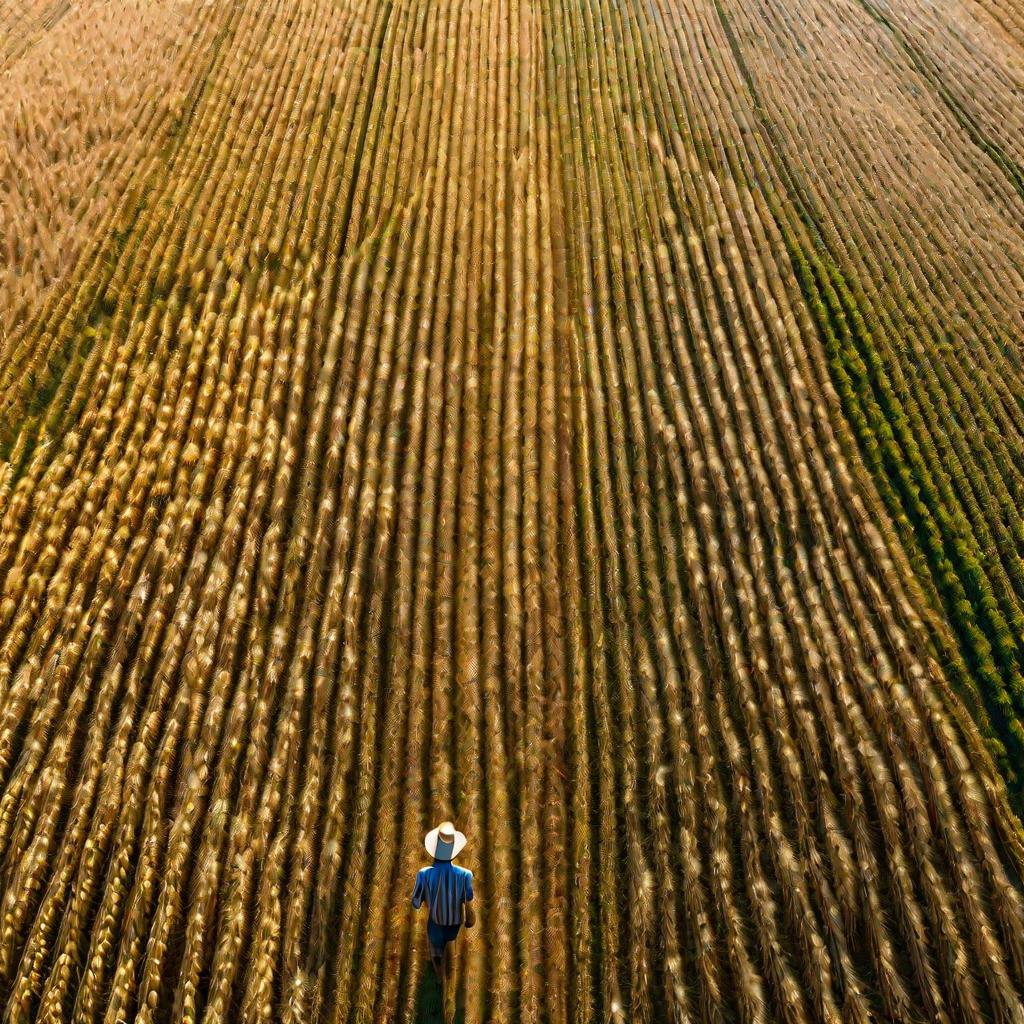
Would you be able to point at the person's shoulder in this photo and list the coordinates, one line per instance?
(462, 871)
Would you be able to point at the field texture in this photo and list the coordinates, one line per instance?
(599, 422)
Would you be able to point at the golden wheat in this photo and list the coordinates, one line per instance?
(597, 423)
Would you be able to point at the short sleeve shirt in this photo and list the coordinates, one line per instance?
(444, 887)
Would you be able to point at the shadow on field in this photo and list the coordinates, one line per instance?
(429, 1004)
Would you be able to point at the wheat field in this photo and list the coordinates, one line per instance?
(599, 422)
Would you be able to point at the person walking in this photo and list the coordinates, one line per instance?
(447, 890)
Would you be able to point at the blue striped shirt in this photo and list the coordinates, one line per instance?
(444, 887)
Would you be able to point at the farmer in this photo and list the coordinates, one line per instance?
(447, 890)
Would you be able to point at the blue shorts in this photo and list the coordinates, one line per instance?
(439, 935)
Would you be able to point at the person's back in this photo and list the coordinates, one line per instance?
(445, 888)
(447, 891)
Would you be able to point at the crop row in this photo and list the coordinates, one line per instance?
(918, 305)
(449, 411)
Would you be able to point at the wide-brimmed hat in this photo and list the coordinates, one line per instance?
(444, 842)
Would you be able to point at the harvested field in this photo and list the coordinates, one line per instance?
(599, 422)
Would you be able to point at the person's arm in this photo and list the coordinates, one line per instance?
(468, 914)
(417, 892)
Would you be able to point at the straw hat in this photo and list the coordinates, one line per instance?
(444, 842)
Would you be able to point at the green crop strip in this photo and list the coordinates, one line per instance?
(938, 538)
